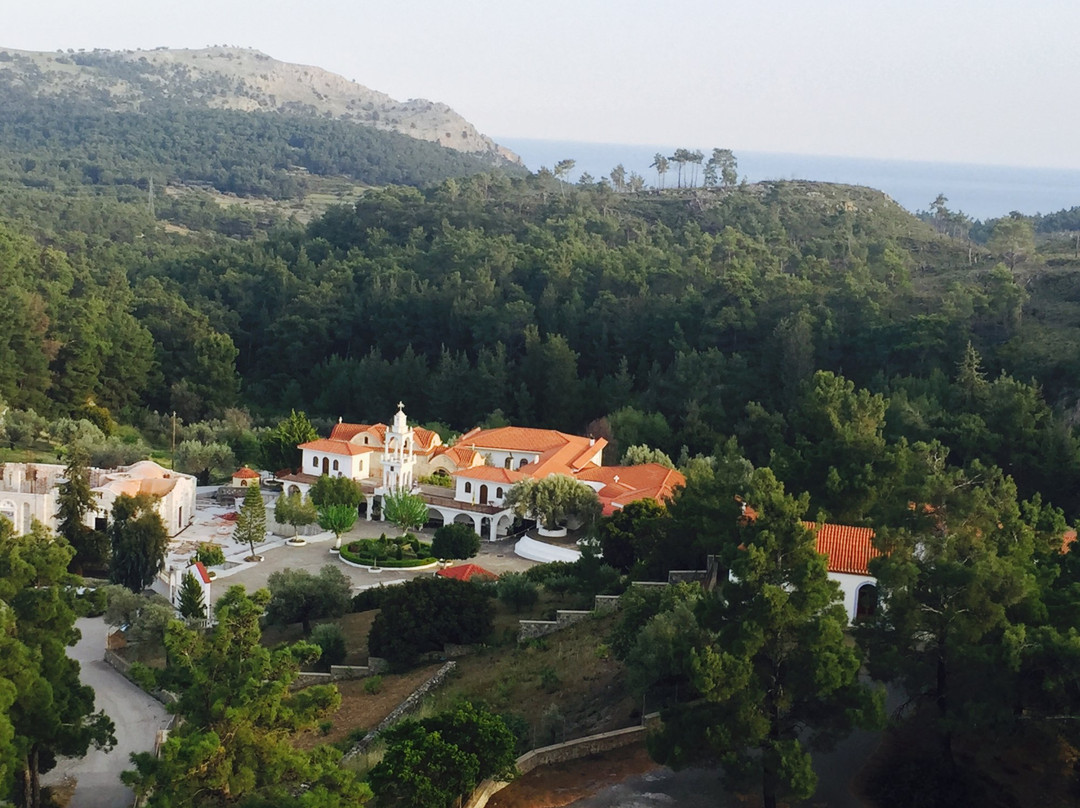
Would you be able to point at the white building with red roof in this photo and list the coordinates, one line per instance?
(849, 550)
(483, 464)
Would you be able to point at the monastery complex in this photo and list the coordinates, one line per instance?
(481, 467)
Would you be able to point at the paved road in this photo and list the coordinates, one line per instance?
(136, 715)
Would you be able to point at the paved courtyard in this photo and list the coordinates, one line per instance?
(211, 526)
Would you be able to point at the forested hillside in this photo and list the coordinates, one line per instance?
(675, 320)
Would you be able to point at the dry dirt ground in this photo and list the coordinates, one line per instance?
(362, 710)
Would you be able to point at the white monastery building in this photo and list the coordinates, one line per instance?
(483, 465)
(28, 491)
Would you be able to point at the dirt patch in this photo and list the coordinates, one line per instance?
(361, 710)
(565, 685)
(563, 783)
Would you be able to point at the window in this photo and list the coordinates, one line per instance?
(468, 488)
(508, 463)
(498, 493)
(315, 462)
(335, 465)
(524, 460)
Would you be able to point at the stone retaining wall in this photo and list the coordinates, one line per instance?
(409, 705)
(531, 629)
(123, 667)
(562, 752)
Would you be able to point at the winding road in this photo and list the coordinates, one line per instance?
(136, 715)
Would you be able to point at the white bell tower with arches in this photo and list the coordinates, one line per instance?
(398, 458)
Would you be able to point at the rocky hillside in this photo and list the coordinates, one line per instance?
(236, 79)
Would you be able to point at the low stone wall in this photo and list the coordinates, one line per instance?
(562, 752)
(308, 678)
(409, 705)
(123, 667)
(605, 603)
(686, 576)
(531, 629)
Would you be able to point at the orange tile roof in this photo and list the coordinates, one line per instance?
(246, 474)
(491, 473)
(203, 574)
(1067, 540)
(849, 548)
(460, 456)
(626, 484)
(466, 572)
(332, 446)
(426, 440)
(517, 439)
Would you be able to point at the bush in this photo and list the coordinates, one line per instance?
(426, 613)
(92, 602)
(143, 675)
(384, 552)
(329, 637)
(455, 541)
(372, 685)
(368, 599)
(517, 591)
(210, 554)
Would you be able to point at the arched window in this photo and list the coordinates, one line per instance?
(468, 488)
(315, 462)
(335, 465)
(498, 493)
(524, 460)
(508, 463)
(866, 601)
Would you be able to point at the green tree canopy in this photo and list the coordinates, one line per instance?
(75, 502)
(49, 711)
(138, 539)
(773, 672)
(407, 511)
(455, 540)
(297, 596)
(234, 744)
(553, 499)
(279, 444)
(250, 526)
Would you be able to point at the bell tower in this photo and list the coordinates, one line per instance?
(398, 458)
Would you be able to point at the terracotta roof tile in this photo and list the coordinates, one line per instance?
(848, 548)
(466, 572)
(246, 474)
(626, 484)
(200, 568)
(332, 446)
(492, 474)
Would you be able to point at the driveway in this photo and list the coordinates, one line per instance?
(136, 715)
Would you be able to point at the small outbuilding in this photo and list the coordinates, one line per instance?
(242, 478)
(467, 572)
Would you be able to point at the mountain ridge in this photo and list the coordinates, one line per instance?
(243, 79)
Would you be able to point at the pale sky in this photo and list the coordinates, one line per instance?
(976, 81)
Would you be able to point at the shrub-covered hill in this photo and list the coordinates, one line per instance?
(677, 320)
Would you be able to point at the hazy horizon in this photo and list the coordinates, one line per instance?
(974, 82)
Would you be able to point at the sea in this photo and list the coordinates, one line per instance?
(980, 191)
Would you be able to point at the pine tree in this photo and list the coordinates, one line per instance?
(192, 603)
(251, 521)
(772, 671)
(75, 500)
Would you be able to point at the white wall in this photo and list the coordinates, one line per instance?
(849, 586)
